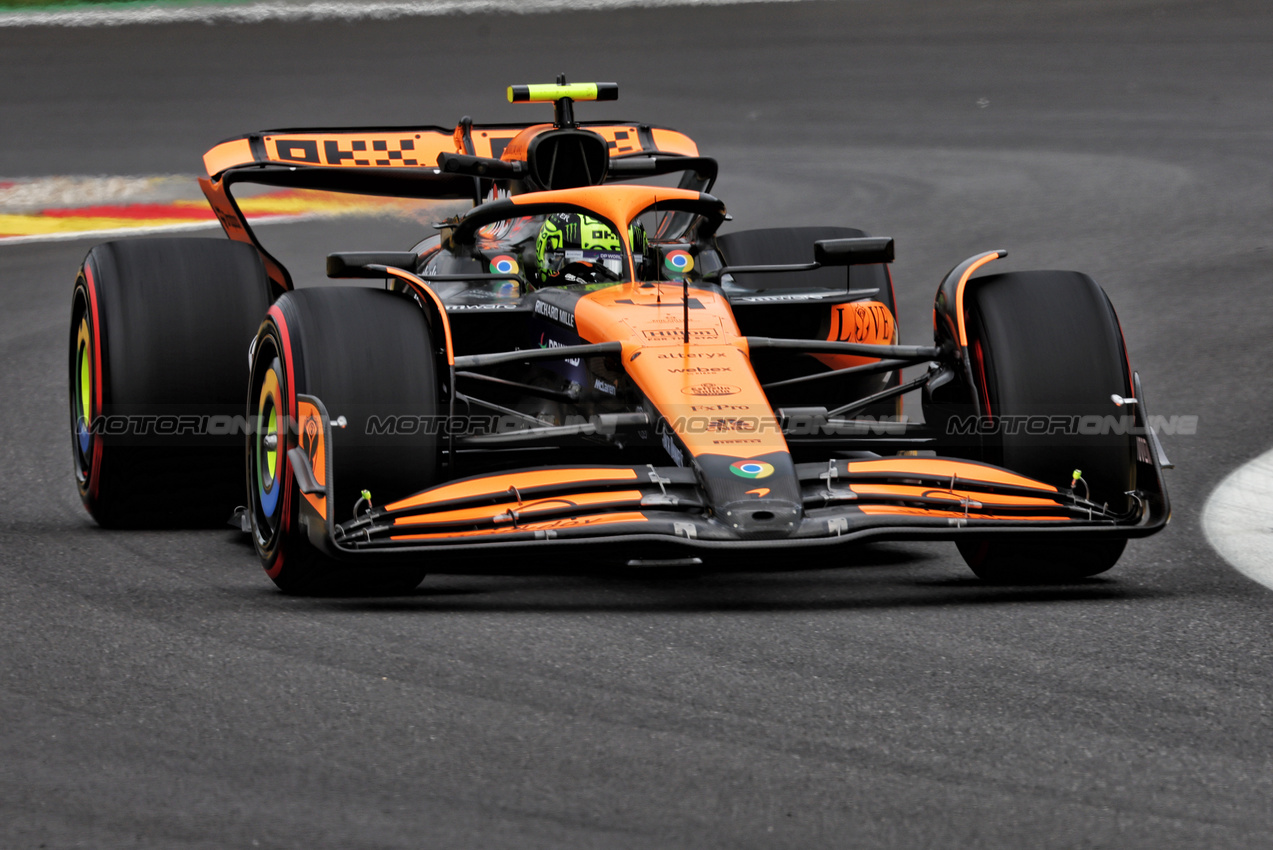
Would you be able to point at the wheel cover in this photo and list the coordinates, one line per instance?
(267, 448)
(268, 441)
(83, 395)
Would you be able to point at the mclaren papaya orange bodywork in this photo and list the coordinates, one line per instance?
(675, 403)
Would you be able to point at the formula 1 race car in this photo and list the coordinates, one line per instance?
(582, 364)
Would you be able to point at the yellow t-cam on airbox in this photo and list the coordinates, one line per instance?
(548, 92)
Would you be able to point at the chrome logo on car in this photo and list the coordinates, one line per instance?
(751, 469)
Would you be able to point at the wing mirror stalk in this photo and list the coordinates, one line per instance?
(859, 251)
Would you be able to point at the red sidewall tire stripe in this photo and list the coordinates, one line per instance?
(95, 330)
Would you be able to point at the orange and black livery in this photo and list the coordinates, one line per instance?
(594, 359)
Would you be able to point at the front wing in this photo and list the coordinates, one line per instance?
(653, 511)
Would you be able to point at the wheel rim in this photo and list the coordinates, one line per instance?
(267, 448)
(267, 445)
(82, 392)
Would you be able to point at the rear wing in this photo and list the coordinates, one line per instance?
(393, 150)
(403, 162)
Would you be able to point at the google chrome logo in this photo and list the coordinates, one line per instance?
(503, 264)
(751, 469)
(678, 262)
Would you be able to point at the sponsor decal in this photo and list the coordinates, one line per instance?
(504, 264)
(734, 442)
(751, 469)
(731, 425)
(384, 150)
(681, 355)
(560, 315)
(678, 334)
(301, 150)
(869, 322)
(620, 141)
(678, 262)
(310, 437)
(701, 370)
(711, 390)
(759, 492)
(547, 342)
(761, 299)
(703, 408)
(454, 307)
(607, 388)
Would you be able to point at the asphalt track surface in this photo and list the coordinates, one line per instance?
(155, 691)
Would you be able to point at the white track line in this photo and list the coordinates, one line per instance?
(250, 13)
(1238, 519)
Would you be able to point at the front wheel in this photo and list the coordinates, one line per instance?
(1017, 562)
(368, 356)
(1047, 355)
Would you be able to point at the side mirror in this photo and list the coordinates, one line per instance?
(862, 251)
(480, 166)
(354, 263)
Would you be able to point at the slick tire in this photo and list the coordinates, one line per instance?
(1046, 347)
(160, 330)
(368, 356)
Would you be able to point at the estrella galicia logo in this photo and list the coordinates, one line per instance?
(712, 389)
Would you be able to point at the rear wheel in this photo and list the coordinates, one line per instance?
(160, 330)
(368, 356)
(1048, 354)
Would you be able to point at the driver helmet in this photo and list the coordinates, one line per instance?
(574, 248)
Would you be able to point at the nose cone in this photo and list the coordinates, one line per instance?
(758, 519)
(758, 498)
